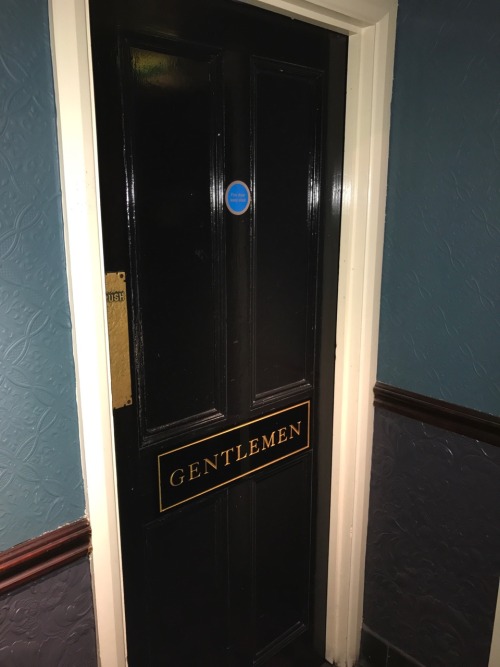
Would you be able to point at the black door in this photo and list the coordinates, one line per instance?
(220, 132)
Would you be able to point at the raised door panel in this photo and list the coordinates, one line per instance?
(286, 122)
(173, 130)
(186, 586)
(282, 532)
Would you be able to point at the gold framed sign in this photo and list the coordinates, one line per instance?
(201, 466)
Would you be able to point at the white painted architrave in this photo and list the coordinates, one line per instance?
(82, 230)
(371, 25)
(494, 660)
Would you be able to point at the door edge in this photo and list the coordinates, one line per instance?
(371, 27)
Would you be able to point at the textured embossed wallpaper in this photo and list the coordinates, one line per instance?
(440, 316)
(40, 468)
(433, 548)
(50, 623)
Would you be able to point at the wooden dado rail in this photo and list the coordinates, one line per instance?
(471, 423)
(40, 556)
(37, 557)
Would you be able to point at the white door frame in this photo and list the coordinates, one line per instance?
(371, 25)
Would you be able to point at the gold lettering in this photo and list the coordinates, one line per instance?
(179, 478)
(282, 437)
(193, 470)
(226, 452)
(239, 457)
(295, 430)
(268, 441)
(212, 464)
(115, 296)
(254, 446)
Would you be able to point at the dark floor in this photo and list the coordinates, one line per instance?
(376, 653)
(296, 655)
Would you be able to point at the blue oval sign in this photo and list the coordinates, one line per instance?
(237, 197)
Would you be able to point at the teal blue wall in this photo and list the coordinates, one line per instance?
(432, 558)
(40, 472)
(440, 316)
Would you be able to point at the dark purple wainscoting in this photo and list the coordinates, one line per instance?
(50, 622)
(433, 549)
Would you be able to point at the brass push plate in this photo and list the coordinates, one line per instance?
(119, 352)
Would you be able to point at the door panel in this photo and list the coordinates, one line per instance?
(223, 458)
(287, 103)
(176, 227)
(282, 536)
(186, 565)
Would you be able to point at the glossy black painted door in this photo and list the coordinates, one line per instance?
(223, 457)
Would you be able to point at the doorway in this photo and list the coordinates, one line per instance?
(371, 52)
